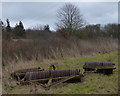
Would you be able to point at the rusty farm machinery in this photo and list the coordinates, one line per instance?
(99, 67)
(48, 78)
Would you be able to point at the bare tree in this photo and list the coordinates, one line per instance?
(69, 18)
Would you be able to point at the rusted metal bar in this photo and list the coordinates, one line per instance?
(99, 64)
(51, 74)
(61, 81)
(28, 70)
(19, 74)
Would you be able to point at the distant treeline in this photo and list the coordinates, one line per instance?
(86, 32)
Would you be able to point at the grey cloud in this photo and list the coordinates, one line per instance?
(119, 12)
(100, 12)
(45, 12)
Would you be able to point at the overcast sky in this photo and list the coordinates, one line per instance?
(32, 14)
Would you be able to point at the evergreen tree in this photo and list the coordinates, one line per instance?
(19, 30)
(21, 25)
(46, 28)
(1, 24)
(8, 28)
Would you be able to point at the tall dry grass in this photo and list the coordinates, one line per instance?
(55, 48)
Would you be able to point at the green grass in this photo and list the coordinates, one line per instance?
(92, 83)
(79, 62)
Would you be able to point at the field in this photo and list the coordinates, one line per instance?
(63, 37)
(92, 83)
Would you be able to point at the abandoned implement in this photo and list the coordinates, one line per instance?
(99, 67)
(46, 78)
(52, 77)
(20, 74)
(51, 74)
